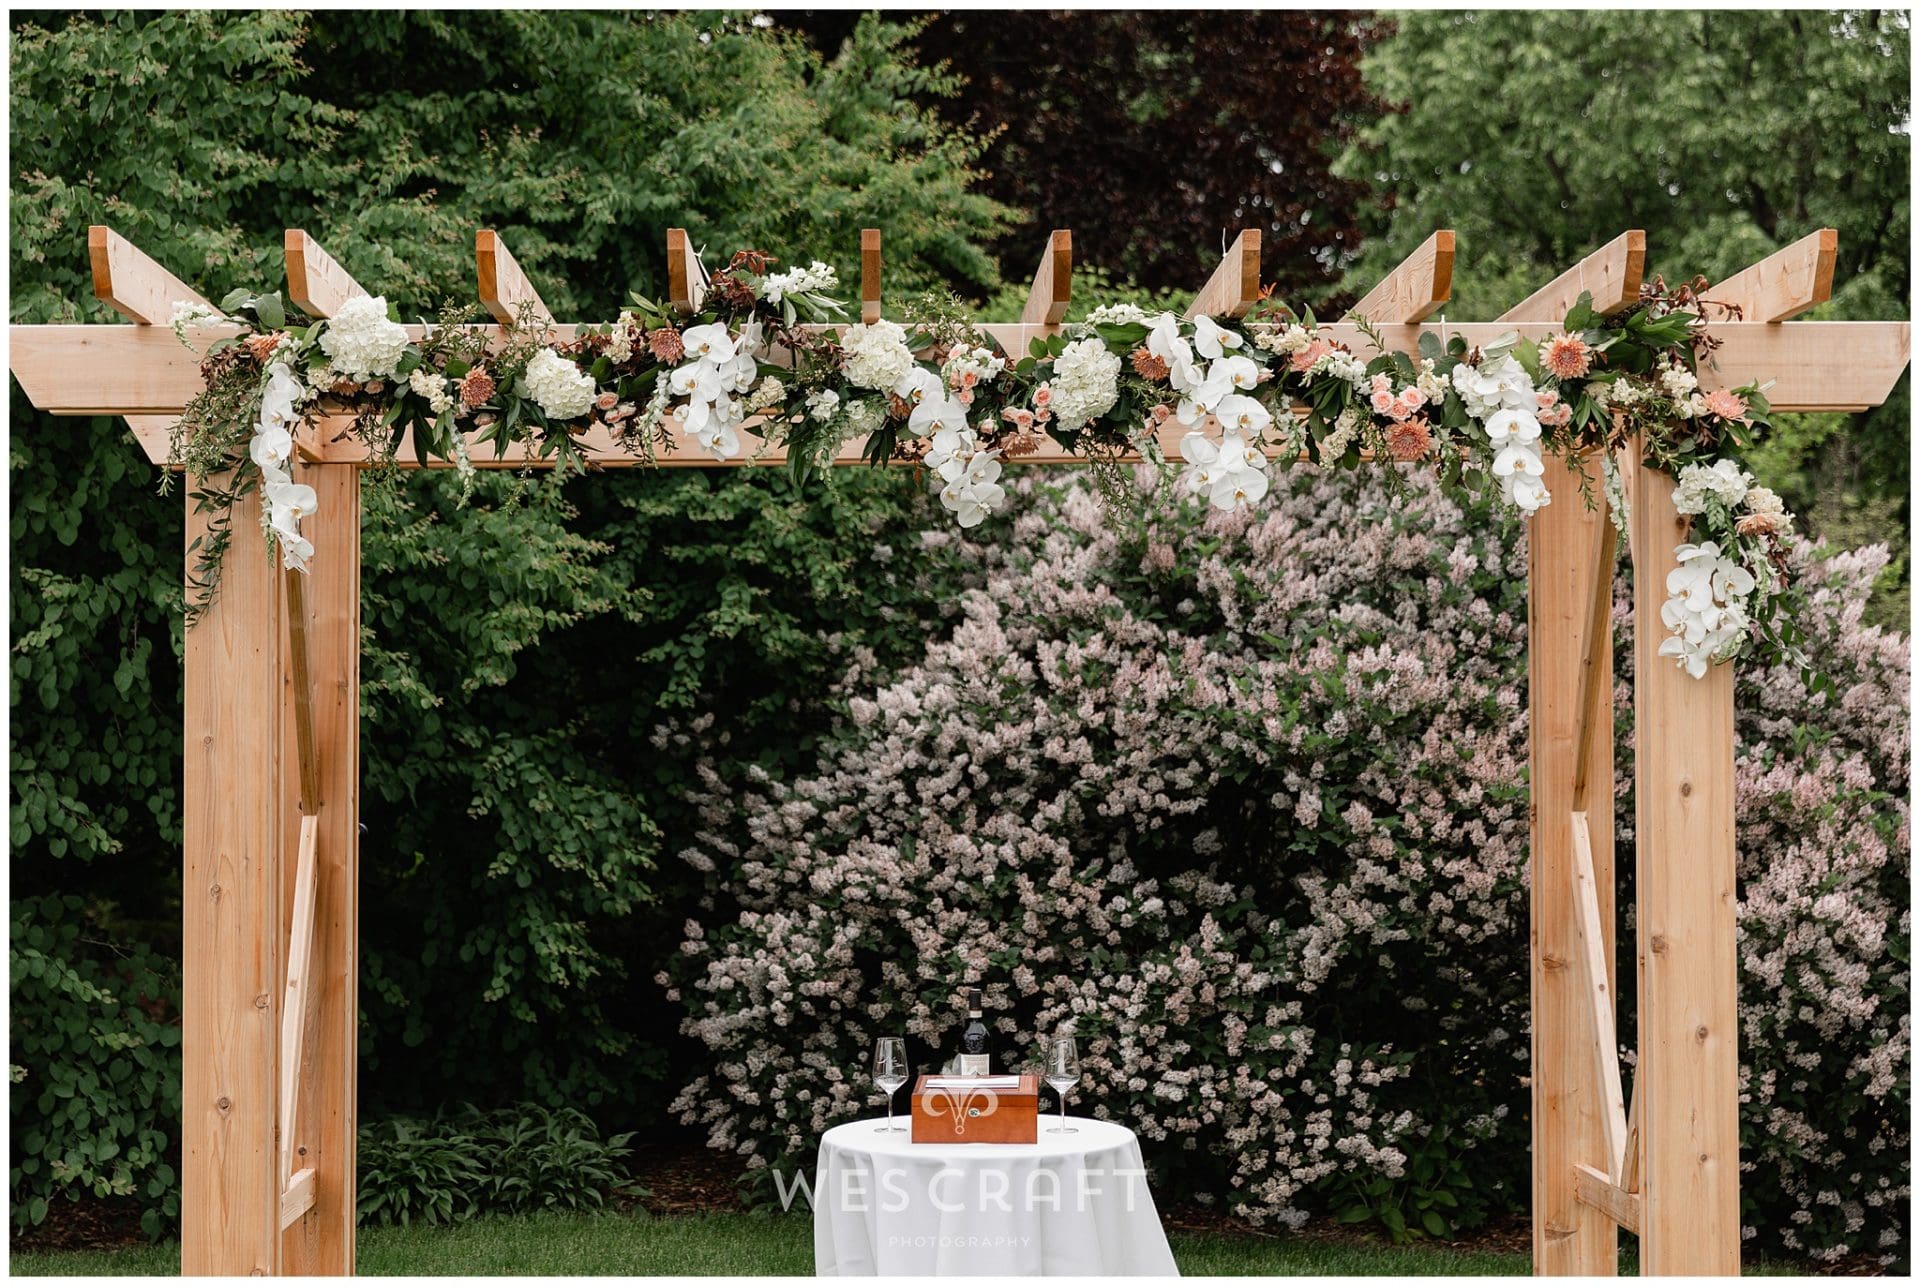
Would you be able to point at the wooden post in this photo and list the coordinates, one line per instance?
(1687, 1087)
(1569, 1118)
(238, 801)
(321, 1241)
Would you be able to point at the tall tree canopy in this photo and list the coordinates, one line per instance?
(1154, 134)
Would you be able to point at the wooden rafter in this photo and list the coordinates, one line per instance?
(1052, 290)
(1786, 283)
(314, 281)
(1234, 286)
(1611, 274)
(134, 285)
(686, 276)
(1415, 289)
(869, 275)
(505, 290)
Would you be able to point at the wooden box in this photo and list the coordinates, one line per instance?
(960, 1109)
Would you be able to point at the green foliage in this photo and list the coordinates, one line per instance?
(94, 1064)
(1541, 135)
(460, 1165)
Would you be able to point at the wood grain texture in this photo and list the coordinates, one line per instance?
(294, 1010)
(1596, 666)
(1569, 1125)
(869, 275)
(298, 1197)
(505, 291)
(1597, 1191)
(322, 1240)
(1688, 1071)
(300, 682)
(1786, 283)
(1415, 289)
(134, 285)
(1235, 284)
(1815, 365)
(232, 949)
(1593, 955)
(314, 281)
(1051, 293)
(686, 278)
(1611, 274)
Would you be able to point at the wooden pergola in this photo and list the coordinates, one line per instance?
(271, 799)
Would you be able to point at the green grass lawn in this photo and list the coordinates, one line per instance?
(751, 1245)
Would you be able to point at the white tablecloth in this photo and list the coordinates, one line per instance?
(1069, 1205)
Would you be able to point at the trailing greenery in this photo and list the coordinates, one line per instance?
(464, 1164)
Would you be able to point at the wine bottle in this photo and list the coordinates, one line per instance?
(974, 1060)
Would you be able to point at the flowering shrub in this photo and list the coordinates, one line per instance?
(1241, 799)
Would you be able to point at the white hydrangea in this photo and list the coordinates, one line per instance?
(1706, 610)
(1764, 500)
(1119, 315)
(1086, 382)
(865, 417)
(558, 386)
(816, 276)
(877, 355)
(1700, 483)
(431, 385)
(361, 342)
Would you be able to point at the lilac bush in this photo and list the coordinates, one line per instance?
(1241, 801)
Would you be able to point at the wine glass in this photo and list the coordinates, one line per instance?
(1063, 1073)
(890, 1073)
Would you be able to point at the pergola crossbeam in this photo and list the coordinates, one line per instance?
(1234, 286)
(137, 287)
(1611, 275)
(314, 281)
(1052, 290)
(1592, 1188)
(1414, 290)
(505, 290)
(1786, 283)
(1814, 365)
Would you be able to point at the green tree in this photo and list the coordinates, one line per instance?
(509, 861)
(1540, 135)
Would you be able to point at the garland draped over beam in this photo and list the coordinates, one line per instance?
(941, 394)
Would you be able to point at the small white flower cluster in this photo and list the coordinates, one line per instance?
(188, 313)
(1086, 382)
(1707, 610)
(719, 367)
(558, 386)
(816, 276)
(433, 386)
(766, 395)
(1500, 395)
(620, 337)
(967, 368)
(361, 342)
(1723, 480)
(822, 405)
(1346, 366)
(876, 356)
(1119, 315)
(967, 478)
(271, 448)
(1285, 339)
(1346, 427)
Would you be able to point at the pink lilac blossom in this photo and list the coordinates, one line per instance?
(1260, 842)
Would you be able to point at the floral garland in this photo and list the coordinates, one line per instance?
(941, 394)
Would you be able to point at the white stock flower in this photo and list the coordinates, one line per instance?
(876, 356)
(1764, 500)
(431, 385)
(766, 395)
(822, 405)
(1086, 382)
(559, 387)
(361, 342)
(620, 337)
(1706, 610)
(1700, 483)
(1118, 315)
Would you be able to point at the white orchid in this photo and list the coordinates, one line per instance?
(1239, 413)
(952, 447)
(1706, 608)
(1213, 340)
(1165, 342)
(976, 493)
(1230, 474)
(710, 342)
(1512, 426)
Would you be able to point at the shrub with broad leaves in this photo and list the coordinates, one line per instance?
(1242, 802)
